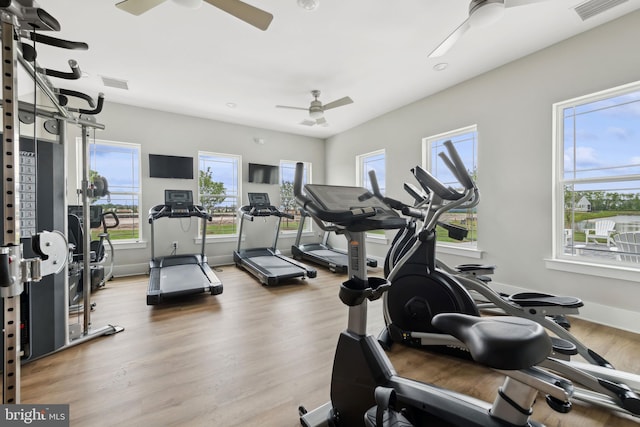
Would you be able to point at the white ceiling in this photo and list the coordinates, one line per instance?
(194, 62)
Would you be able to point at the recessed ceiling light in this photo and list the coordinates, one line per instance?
(232, 104)
(440, 66)
(308, 4)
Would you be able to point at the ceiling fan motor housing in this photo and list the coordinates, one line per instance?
(315, 110)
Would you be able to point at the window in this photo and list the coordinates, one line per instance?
(597, 181)
(287, 199)
(119, 164)
(465, 141)
(374, 161)
(219, 190)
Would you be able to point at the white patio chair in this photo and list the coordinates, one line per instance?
(628, 245)
(603, 230)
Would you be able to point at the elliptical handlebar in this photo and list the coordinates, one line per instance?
(432, 183)
(392, 203)
(457, 167)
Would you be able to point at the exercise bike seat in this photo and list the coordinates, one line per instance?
(535, 299)
(500, 342)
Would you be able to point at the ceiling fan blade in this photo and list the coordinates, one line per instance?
(138, 7)
(513, 3)
(337, 103)
(308, 122)
(292, 108)
(245, 12)
(451, 40)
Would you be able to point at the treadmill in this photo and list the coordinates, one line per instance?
(178, 275)
(267, 264)
(322, 253)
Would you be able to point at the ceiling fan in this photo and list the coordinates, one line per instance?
(316, 109)
(482, 13)
(241, 10)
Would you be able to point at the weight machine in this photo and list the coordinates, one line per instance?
(21, 20)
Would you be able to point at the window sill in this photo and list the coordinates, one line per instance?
(460, 251)
(293, 234)
(129, 244)
(600, 270)
(221, 238)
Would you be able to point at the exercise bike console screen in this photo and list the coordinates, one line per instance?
(179, 201)
(343, 197)
(259, 200)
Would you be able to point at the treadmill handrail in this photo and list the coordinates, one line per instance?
(164, 211)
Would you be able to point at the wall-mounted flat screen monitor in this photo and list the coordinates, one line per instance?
(161, 166)
(263, 174)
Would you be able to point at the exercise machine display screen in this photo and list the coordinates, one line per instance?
(259, 200)
(179, 201)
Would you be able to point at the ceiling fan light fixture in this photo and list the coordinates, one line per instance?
(486, 13)
(315, 114)
(190, 4)
(309, 4)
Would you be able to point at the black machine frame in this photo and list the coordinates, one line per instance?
(181, 274)
(268, 265)
(322, 253)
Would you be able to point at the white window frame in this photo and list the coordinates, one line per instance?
(238, 161)
(469, 249)
(573, 261)
(138, 194)
(308, 225)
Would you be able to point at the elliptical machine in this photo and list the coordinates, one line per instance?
(365, 389)
(422, 287)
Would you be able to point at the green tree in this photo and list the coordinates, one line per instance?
(287, 199)
(212, 192)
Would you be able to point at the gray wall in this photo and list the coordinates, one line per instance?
(512, 106)
(173, 134)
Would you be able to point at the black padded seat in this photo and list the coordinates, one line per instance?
(500, 342)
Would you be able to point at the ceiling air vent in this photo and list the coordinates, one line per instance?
(115, 83)
(591, 8)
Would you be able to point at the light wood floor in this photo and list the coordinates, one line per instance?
(248, 357)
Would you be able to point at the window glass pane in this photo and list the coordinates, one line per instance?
(601, 177)
(374, 162)
(119, 164)
(219, 186)
(601, 138)
(466, 144)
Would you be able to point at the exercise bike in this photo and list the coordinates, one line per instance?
(365, 389)
(422, 287)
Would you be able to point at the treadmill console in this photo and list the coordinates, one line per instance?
(259, 205)
(259, 200)
(180, 202)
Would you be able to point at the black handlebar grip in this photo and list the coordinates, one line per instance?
(374, 183)
(75, 73)
(465, 178)
(428, 181)
(98, 108)
(53, 41)
(415, 193)
(80, 95)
